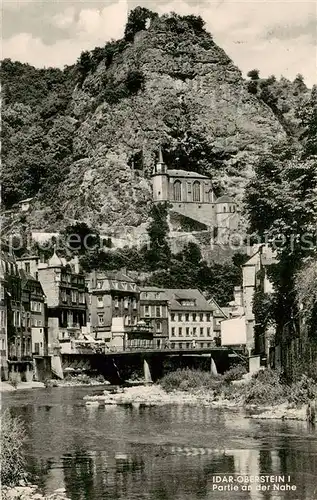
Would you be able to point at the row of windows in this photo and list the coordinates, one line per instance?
(153, 312)
(189, 345)
(193, 191)
(36, 306)
(190, 317)
(75, 296)
(128, 321)
(124, 285)
(152, 295)
(194, 331)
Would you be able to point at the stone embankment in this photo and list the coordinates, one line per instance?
(154, 396)
(30, 492)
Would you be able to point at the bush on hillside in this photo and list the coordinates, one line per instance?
(302, 391)
(12, 441)
(236, 372)
(265, 388)
(187, 379)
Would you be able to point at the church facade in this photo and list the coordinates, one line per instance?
(191, 195)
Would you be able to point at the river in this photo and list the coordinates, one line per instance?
(160, 453)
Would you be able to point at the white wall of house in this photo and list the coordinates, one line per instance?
(233, 331)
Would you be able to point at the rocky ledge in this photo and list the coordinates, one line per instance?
(154, 395)
(30, 492)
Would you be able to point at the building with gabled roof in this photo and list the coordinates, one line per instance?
(191, 195)
(111, 294)
(190, 319)
(154, 312)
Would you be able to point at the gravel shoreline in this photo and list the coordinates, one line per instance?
(30, 492)
(154, 395)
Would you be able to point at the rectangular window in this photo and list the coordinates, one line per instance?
(64, 296)
(99, 301)
(180, 345)
(187, 331)
(208, 331)
(180, 331)
(180, 317)
(208, 317)
(173, 331)
(187, 345)
(82, 298)
(158, 311)
(100, 319)
(147, 311)
(126, 303)
(99, 284)
(194, 316)
(134, 304)
(201, 317)
(74, 296)
(186, 317)
(172, 317)
(39, 323)
(116, 302)
(158, 326)
(18, 318)
(27, 267)
(201, 332)
(194, 331)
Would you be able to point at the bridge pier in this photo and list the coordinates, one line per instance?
(213, 368)
(147, 372)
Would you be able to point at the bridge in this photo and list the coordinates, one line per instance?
(120, 365)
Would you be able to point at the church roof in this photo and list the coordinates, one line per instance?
(225, 199)
(185, 173)
(55, 261)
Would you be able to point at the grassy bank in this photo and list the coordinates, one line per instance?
(14, 479)
(265, 388)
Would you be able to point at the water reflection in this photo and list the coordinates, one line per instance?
(158, 453)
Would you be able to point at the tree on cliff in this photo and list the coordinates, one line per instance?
(158, 255)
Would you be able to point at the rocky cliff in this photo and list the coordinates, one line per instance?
(85, 148)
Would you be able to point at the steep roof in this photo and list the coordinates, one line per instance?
(225, 199)
(185, 173)
(55, 261)
(177, 295)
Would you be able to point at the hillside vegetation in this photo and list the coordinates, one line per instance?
(84, 140)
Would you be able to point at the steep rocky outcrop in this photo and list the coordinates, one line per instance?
(171, 86)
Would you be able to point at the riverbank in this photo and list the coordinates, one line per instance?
(79, 381)
(30, 492)
(8, 387)
(260, 396)
(154, 395)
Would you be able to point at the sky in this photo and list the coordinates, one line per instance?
(276, 37)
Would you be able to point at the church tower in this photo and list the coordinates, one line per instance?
(160, 180)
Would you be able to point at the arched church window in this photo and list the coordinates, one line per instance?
(177, 191)
(196, 191)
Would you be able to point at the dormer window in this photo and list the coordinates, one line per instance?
(99, 284)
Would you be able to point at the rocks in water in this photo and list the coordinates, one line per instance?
(31, 492)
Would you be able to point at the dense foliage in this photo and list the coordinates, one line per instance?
(282, 205)
(12, 456)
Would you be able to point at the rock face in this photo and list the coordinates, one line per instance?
(191, 93)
